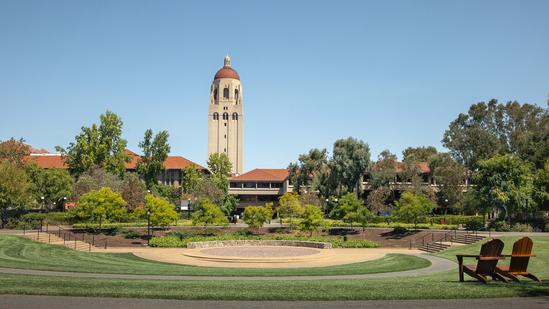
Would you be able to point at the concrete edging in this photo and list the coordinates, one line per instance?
(258, 243)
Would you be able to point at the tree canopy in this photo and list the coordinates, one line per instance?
(14, 151)
(411, 206)
(422, 154)
(101, 146)
(155, 152)
(349, 161)
(207, 214)
(219, 164)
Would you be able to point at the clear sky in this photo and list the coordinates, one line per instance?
(391, 73)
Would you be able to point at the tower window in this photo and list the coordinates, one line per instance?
(235, 116)
(215, 94)
(215, 116)
(225, 116)
(236, 94)
(226, 93)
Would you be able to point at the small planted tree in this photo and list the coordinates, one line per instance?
(256, 216)
(102, 204)
(362, 215)
(312, 219)
(411, 206)
(290, 206)
(208, 214)
(161, 211)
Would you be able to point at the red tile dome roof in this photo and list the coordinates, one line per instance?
(226, 71)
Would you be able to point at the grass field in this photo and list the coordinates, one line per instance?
(429, 286)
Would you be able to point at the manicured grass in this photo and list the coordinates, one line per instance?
(19, 252)
(443, 285)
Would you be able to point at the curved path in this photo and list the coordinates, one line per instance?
(437, 265)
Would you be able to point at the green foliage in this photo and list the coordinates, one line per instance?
(162, 213)
(505, 182)
(98, 146)
(361, 215)
(345, 205)
(102, 204)
(256, 216)
(191, 178)
(207, 214)
(219, 164)
(130, 234)
(15, 188)
(290, 206)
(400, 230)
(350, 159)
(14, 152)
(51, 183)
(133, 190)
(312, 219)
(411, 206)
(422, 154)
(450, 178)
(172, 194)
(207, 188)
(155, 152)
(541, 187)
(307, 166)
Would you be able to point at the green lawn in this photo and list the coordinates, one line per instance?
(429, 286)
(20, 252)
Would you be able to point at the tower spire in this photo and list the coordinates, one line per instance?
(227, 63)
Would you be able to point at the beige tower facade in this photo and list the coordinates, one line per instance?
(225, 117)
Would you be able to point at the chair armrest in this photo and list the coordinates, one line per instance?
(490, 258)
(467, 255)
(520, 255)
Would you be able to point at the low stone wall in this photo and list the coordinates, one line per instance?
(258, 243)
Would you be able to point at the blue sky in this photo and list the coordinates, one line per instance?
(391, 73)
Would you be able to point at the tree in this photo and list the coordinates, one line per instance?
(350, 159)
(493, 128)
(361, 215)
(15, 189)
(160, 210)
(505, 182)
(347, 204)
(52, 184)
(449, 176)
(312, 219)
(290, 206)
(206, 188)
(422, 154)
(411, 206)
(541, 187)
(134, 190)
(308, 166)
(96, 179)
(100, 146)
(219, 164)
(102, 204)
(155, 152)
(191, 178)
(309, 197)
(172, 194)
(382, 180)
(14, 151)
(208, 214)
(256, 216)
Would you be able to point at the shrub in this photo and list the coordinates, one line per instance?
(520, 228)
(400, 230)
(500, 226)
(130, 234)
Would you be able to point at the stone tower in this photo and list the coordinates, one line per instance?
(226, 120)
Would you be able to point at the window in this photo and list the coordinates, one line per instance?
(235, 116)
(216, 116)
(249, 185)
(276, 185)
(236, 185)
(226, 93)
(236, 94)
(225, 116)
(215, 94)
(225, 136)
(263, 185)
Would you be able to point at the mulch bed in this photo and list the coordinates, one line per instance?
(381, 236)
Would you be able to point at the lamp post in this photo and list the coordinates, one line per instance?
(189, 209)
(53, 206)
(327, 205)
(148, 226)
(64, 203)
(42, 198)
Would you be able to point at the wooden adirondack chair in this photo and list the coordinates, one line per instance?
(520, 257)
(490, 253)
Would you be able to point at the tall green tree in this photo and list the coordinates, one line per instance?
(312, 219)
(155, 152)
(449, 176)
(349, 161)
(347, 204)
(96, 179)
(307, 167)
(52, 184)
(505, 182)
(15, 188)
(191, 178)
(14, 151)
(100, 145)
(382, 176)
(256, 216)
(422, 154)
(411, 206)
(219, 164)
(134, 190)
(541, 187)
(100, 205)
(290, 206)
(161, 211)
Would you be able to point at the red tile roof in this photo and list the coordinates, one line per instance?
(263, 175)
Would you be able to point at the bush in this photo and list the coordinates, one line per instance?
(56, 218)
(500, 226)
(130, 234)
(520, 228)
(400, 230)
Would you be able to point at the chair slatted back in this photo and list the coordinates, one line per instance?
(519, 262)
(491, 248)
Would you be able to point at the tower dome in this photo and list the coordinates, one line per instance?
(227, 71)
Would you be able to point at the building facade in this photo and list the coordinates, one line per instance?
(225, 116)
